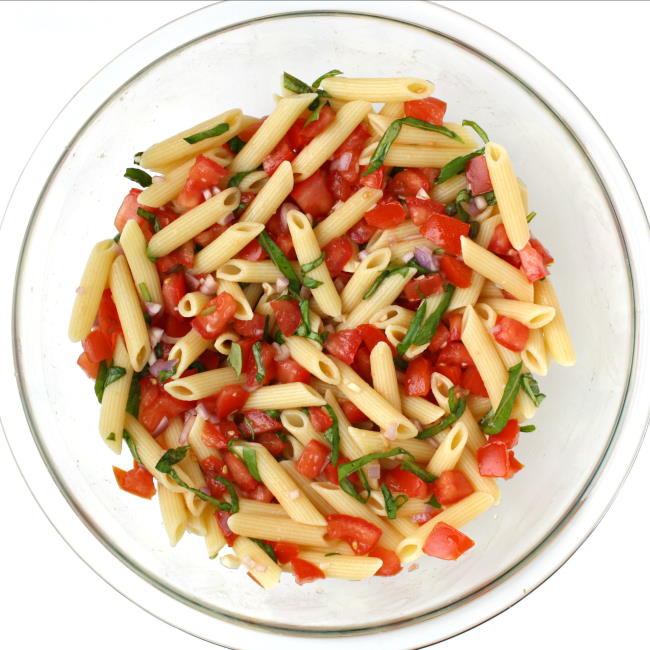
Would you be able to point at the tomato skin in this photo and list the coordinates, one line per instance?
(252, 329)
(89, 367)
(547, 258)
(253, 252)
(361, 535)
(222, 519)
(97, 346)
(439, 339)
(390, 561)
(251, 130)
(210, 325)
(500, 244)
(532, 263)
(445, 232)
(305, 571)
(478, 177)
(281, 153)
(290, 370)
(353, 413)
(421, 209)
(156, 403)
(177, 326)
(238, 472)
(181, 256)
(230, 399)
(301, 134)
(454, 354)
(345, 159)
(362, 365)
(455, 323)
(428, 109)
(493, 460)
(389, 215)
(471, 380)
(287, 314)
(313, 195)
(374, 180)
(320, 419)
(409, 182)
(423, 287)
(212, 468)
(451, 486)
(218, 435)
(108, 320)
(456, 271)
(509, 435)
(129, 210)
(313, 459)
(514, 465)
(452, 372)
(446, 542)
(361, 232)
(203, 174)
(341, 189)
(272, 442)
(173, 289)
(402, 481)
(344, 345)
(137, 481)
(285, 551)
(372, 335)
(417, 381)
(510, 333)
(261, 422)
(338, 253)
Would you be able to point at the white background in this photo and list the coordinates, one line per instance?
(49, 596)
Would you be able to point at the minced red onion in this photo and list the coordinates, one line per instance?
(281, 352)
(155, 334)
(472, 210)
(305, 293)
(80, 290)
(374, 471)
(187, 427)
(152, 308)
(250, 389)
(157, 179)
(228, 219)
(281, 284)
(342, 163)
(480, 203)
(192, 282)
(424, 257)
(207, 194)
(161, 366)
(206, 490)
(172, 340)
(422, 194)
(391, 431)
(208, 285)
(284, 211)
(417, 424)
(162, 425)
(203, 412)
(362, 255)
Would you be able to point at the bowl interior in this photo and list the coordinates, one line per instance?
(242, 67)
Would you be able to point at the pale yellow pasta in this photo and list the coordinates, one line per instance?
(392, 315)
(299, 426)
(413, 155)
(346, 215)
(289, 466)
(363, 277)
(384, 377)
(528, 313)
(448, 190)
(348, 444)
(395, 334)
(175, 148)
(195, 439)
(192, 303)
(407, 230)
(194, 222)
(293, 448)
(412, 135)
(238, 270)
(534, 353)
(189, 464)
(114, 400)
(446, 456)
(243, 309)
(508, 194)
(201, 384)
(225, 246)
(489, 291)
(478, 405)
(404, 526)
(376, 407)
(344, 567)
(174, 514)
(284, 396)
(254, 507)
(272, 130)
(143, 270)
(271, 196)
(392, 109)
(556, 335)
(494, 268)
(326, 143)
(370, 442)
(420, 409)
(214, 539)
(398, 89)
(187, 350)
(402, 251)
(475, 437)
(468, 465)
(253, 182)
(257, 562)
(421, 450)
(318, 364)
(385, 294)
(92, 285)
(276, 529)
(223, 342)
(411, 507)
(457, 515)
(487, 315)
(134, 328)
(308, 251)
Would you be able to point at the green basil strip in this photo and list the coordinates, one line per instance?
(238, 178)
(236, 144)
(310, 283)
(481, 133)
(130, 443)
(164, 375)
(137, 157)
(257, 354)
(527, 428)
(457, 165)
(494, 421)
(151, 217)
(279, 259)
(235, 358)
(304, 329)
(331, 554)
(413, 329)
(399, 270)
(170, 458)
(433, 502)
(233, 506)
(138, 176)
(199, 366)
(295, 85)
(249, 457)
(113, 373)
(412, 467)
(209, 133)
(327, 75)
(531, 388)
(110, 436)
(391, 133)
(315, 114)
(273, 413)
(422, 270)
(456, 409)
(428, 330)
(489, 198)
(144, 291)
(389, 502)
(267, 548)
(133, 402)
(530, 216)
(100, 381)
(310, 266)
(332, 434)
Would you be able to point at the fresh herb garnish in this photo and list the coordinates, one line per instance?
(137, 157)
(267, 548)
(151, 217)
(100, 380)
(494, 421)
(456, 409)
(198, 365)
(332, 434)
(461, 213)
(422, 270)
(481, 133)
(396, 270)
(257, 355)
(531, 388)
(235, 358)
(310, 283)
(265, 332)
(310, 266)
(209, 133)
(133, 402)
(414, 468)
(280, 260)
(392, 504)
(138, 176)
(413, 329)
(330, 554)
(457, 165)
(315, 114)
(428, 330)
(238, 178)
(489, 197)
(144, 291)
(273, 413)
(164, 375)
(304, 329)
(236, 144)
(114, 373)
(327, 75)
(111, 437)
(130, 443)
(530, 216)
(434, 503)
(527, 428)
(295, 85)
(249, 457)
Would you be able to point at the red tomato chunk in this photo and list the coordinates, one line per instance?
(313, 459)
(510, 333)
(137, 481)
(451, 486)
(344, 345)
(429, 109)
(361, 535)
(446, 542)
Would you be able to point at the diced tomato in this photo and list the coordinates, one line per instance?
(182, 256)
(510, 333)
(211, 359)
(389, 215)
(353, 413)
(402, 481)
(428, 109)
(107, 319)
(390, 561)
(156, 403)
(204, 174)
(272, 442)
(345, 159)
(238, 472)
(446, 542)
(492, 458)
(313, 459)
(509, 435)
(362, 364)
(305, 571)
(341, 189)
(215, 316)
(547, 258)
(455, 354)
(91, 368)
(455, 323)
(222, 519)
(251, 130)
(423, 287)
(454, 373)
(500, 244)
(301, 134)
(173, 289)
(361, 535)
(177, 326)
(478, 177)
(417, 380)
(421, 209)
(320, 419)
(137, 481)
(313, 195)
(285, 244)
(375, 179)
(209, 234)
(372, 335)
(287, 314)
(290, 370)
(344, 345)
(97, 346)
(267, 357)
(218, 435)
(532, 263)
(212, 468)
(456, 271)
(471, 380)
(331, 472)
(361, 232)
(276, 226)
(129, 210)
(230, 399)
(262, 422)
(445, 232)
(451, 486)
(338, 253)
(253, 252)
(281, 153)
(514, 465)
(253, 328)
(285, 551)
(409, 182)
(439, 339)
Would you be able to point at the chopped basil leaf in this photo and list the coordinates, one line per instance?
(310, 266)
(327, 75)
(138, 176)
(304, 329)
(389, 502)
(113, 374)
(235, 358)
(413, 329)
(332, 435)
(433, 502)
(130, 443)
(273, 413)
(110, 436)
(170, 458)
(463, 195)
(278, 337)
(249, 456)
(232, 492)
(402, 364)
(144, 291)
(295, 85)
(158, 350)
(527, 428)
(330, 554)
(315, 114)
(147, 318)
(151, 258)
(400, 270)
(137, 157)
(209, 133)
(117, 237)
(412, 467)
(481, 133)
(489, 198)
(451, 209)
(133, 402)
(151, 217)
(310, 283)
(238, 178)
(494, 421)
(198, 365)
(457, 165)
(267, 548)
(430, 326)
(100, 380)
(236, 144)
(391, 133)
(257, 354)
(530, 216)
(474, 227)
(280, 260)
(419, 268)
(531, 388)
(164, 375)
(456, 409)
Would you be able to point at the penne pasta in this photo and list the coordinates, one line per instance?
(271, 196)
(225, 246)
(556, 335)
(377, 90)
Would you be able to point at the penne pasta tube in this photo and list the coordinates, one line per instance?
(422, 450)
(143, 270)
(556, 335)
(289, 466)
(297, 423)
(320, 365)
(363, 277)
(399, 89)
(534, 354)
(528, 313)
(392, 109)
(223, 342)
(345, 567)
(174, 514)
(448, 190)
(392, 315)
(384, 377)
(192, 303)
(238, 270)
(265, 571)
(243, 310)
(446, 456)
(271, 196)
(284, 396)
(214, 539)
(187, 350)
(420, 409)
(202, 384)
(226, 245)
(468, 465)
(276, 529)
(413, 155)
(412, 135)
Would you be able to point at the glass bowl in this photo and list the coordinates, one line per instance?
(232, 54)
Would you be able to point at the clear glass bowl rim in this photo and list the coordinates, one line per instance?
(589, 507)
